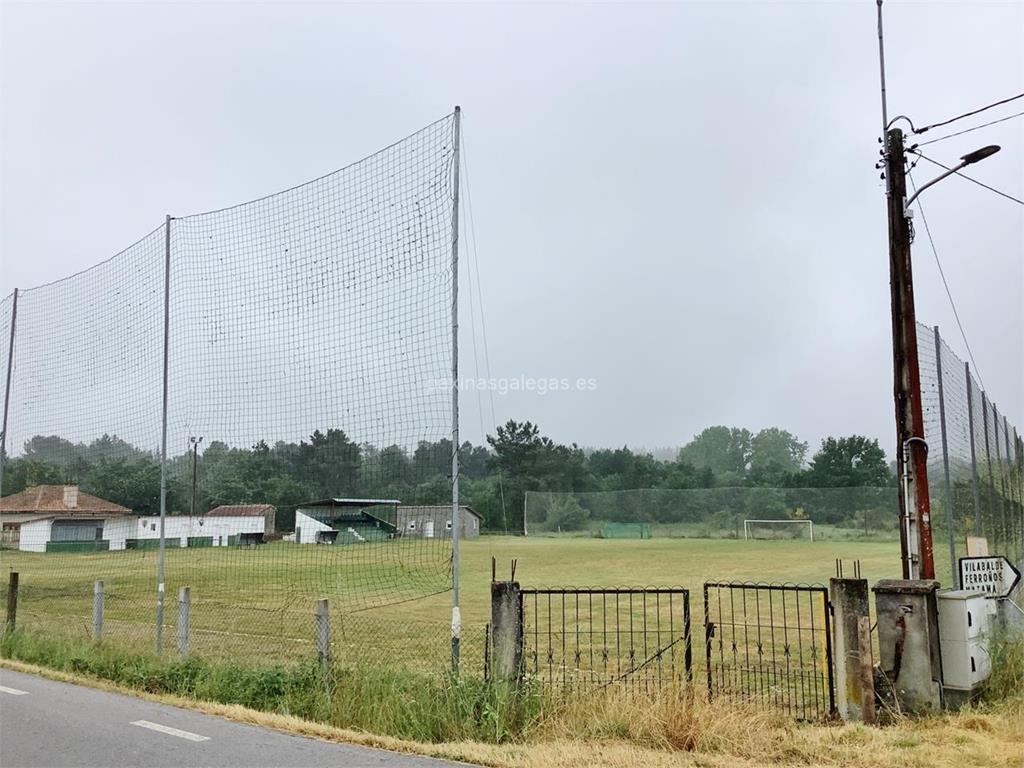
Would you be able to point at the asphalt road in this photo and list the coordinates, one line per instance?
(46, 724)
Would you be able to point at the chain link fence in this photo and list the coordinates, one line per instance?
(975, 460)
(266, 375)
(870, 514)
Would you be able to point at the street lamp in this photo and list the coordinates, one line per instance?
(969, 159)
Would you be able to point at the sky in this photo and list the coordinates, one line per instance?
(675, 203)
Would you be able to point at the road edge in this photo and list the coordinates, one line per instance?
(237, 713)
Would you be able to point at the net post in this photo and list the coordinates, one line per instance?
(1001, 492)
(948, 499)
(811, 526)
(975, 492)
(456, 516)
(988, 458)
(161, 554)
(7, 389)
(1011, 532)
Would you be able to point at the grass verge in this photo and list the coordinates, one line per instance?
(471, 721)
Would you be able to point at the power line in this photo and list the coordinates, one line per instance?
(969, 178)
(968, 114)
(945, 283)
(968, 130)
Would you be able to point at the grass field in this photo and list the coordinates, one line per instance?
(257, 603)
(258, 611)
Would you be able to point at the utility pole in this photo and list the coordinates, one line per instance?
(911, 448)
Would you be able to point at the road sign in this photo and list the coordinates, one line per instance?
(995, 576)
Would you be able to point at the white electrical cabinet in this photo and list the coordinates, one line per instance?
(963, 638)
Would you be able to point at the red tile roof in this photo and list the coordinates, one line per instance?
(242, 510)
(50, 498)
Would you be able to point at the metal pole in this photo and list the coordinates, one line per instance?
(160, 587)
(1008, 473)
(195, 451)
(97, 611)
(945, 461)
(1003, 494)
(1019, 449)
(7, 389)
(456, 516)
(988, 460)
(974, 459)
(911, 448)
(881, 70)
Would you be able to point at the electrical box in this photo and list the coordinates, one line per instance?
(963, 638)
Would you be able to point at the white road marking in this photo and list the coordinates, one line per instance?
(13, 691)
(170, 731)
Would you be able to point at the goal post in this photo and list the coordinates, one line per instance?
(748, 530)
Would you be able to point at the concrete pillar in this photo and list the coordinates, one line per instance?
(855, 690)
(97, 611)
(506, 631)
(908, 644)
(322, 630)
(184, 615)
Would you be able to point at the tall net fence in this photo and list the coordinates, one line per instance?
(308, 423)
(837, 513)
(975, 460)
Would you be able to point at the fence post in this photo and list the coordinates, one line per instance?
(991, 510)
(12, 601)
(506, 631)
(1018, 448)
(1007, 483)
(322, 629)
(974, 460)
(855, 698)
(97, 611)
(950, 523)
(184, 613)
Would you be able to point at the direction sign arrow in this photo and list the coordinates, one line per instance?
(995, 575)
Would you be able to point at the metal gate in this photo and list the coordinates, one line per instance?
(592, 638)
(772, 644)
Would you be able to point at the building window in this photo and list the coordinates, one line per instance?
(152, 526)
(448, 525)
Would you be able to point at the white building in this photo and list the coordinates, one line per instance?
(53, 518)
(57, 517)
(181, 530)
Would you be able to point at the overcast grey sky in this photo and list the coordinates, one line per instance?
(675, 200)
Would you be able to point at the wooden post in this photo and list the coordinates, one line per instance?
(184, 610)
(97, 611)
(322, 630)
(12, 601)
(867, 672)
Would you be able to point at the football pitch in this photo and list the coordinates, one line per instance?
(256, 605)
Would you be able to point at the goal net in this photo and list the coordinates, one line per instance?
(778, 529)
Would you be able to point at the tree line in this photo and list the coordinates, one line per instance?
(494, 478)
